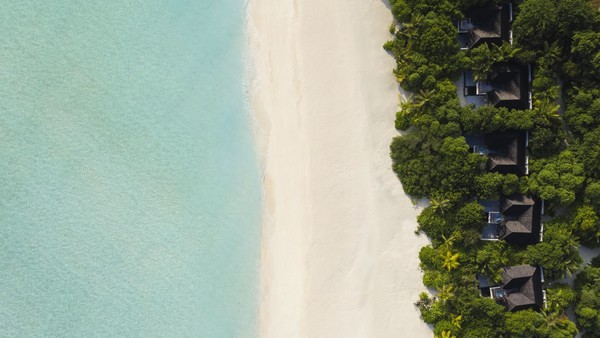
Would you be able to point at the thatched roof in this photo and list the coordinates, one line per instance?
(522, 219)
(510, 83)
(507, 152)
(523, 287)
(490, 24)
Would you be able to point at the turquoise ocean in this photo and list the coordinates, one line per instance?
(130, 196)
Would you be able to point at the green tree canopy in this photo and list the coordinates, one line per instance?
(490, 186)
(573, 16)
(583, 111)
(406, 10)
(491, 258)
(589, 153)
(528, 323)
(587, 308)
(558, 253)
(523, 324)
(547, 21)
(557, 179)
(545, 139)
(482, 317)
(487, 119)
(586, 56)
(426, 164)
(559, 38)
(484, 56)
(559, 297)
(536, 23)
(592, 194)
(586, 225)
(469, 216)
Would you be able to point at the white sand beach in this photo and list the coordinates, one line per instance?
(339, 253)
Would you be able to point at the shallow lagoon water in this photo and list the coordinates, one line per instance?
(129, 187)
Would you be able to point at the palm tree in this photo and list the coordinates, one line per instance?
(422, 100)
(554, 320)
(456, 320)
(446, 334)
(503, 52)
(446, 293)
(408, 30)
(551, 94)
(399, 76)
(573, 264)
(492, 55)
(449, 241)
(555, 301)
(548, 110)
(508, 51)
(450, 260)
(551, 56)
(571, 267)
(491, 257)
(407, 106)
(481, 69)
(438, 203)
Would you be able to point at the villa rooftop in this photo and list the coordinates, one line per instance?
(506, 151)
(521, 222)
(509, 86)
(522, 287)
(486, 24)
(515, 219)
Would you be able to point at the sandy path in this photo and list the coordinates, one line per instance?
(339, 253)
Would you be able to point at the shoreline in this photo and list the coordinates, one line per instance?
(339, 256)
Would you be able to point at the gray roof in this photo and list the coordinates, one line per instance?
(523, 287)
(522, 219)
(490, 24)
(507, 152)
(512, 273)
(510, 81)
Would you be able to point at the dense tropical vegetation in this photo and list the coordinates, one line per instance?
(561, 39)
(587, 307)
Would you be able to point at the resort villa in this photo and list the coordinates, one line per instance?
(506, 151)
(508, 85)
(487, 24)
(521, 288)
(515, 219)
